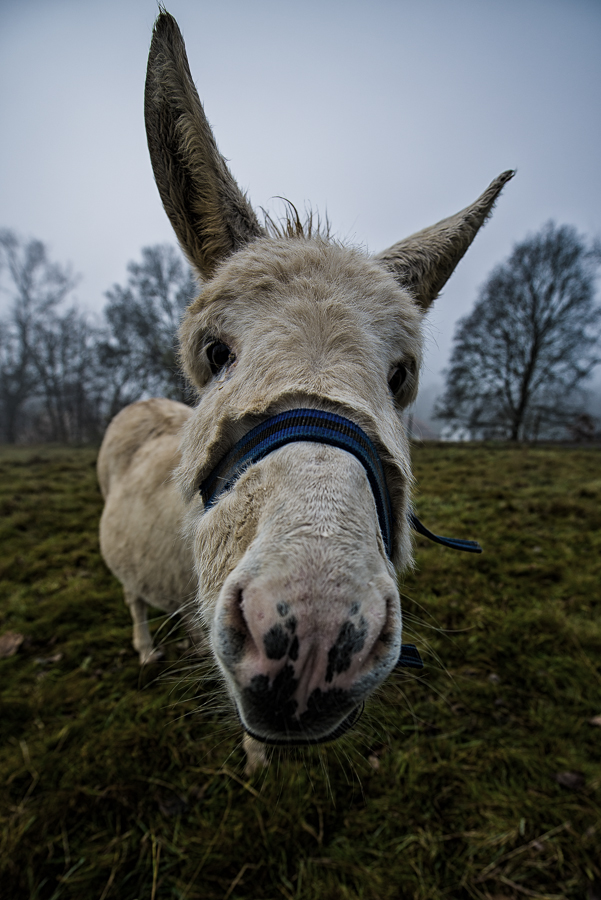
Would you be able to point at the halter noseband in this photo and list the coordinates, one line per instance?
(319, 426)
(295, 425)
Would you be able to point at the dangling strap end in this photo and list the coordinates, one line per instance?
(409, 658)
(453, 543)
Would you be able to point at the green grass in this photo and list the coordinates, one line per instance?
(121, 785)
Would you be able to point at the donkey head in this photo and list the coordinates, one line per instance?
(296, 586)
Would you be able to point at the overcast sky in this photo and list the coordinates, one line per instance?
(386, 114)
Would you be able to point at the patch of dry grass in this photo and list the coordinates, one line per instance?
(479, 779)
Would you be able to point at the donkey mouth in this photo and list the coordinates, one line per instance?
(305, 740)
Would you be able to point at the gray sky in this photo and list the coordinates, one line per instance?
(386, 115)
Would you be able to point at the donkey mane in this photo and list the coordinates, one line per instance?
(290, 224)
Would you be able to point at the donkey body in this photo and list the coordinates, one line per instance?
(292, 580)
(141, 536)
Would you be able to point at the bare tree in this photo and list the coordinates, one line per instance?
(520, 358)
(35, 287)
(140, 353)
(61, 377)
(71, 383)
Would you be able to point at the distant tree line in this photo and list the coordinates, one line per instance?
(519, 363)
(64, 372)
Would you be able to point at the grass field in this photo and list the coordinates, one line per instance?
(481, 778)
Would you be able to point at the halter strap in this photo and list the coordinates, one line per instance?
(294, 425)
(321, 427)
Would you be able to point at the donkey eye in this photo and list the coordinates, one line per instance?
(397, 379)
(219, 355)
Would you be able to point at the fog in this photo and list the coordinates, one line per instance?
(387, 116)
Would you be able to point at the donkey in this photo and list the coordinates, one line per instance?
(281, 503)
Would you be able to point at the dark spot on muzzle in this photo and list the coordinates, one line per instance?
(272, 705)
(270, 711)
(350, 640)
(276, 642)
(293, 651)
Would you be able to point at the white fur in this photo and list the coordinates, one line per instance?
(292, 555)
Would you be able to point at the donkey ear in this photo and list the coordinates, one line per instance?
(209, 213)
(425, 261)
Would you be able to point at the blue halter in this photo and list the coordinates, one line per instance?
(303, 425)
(319, 426)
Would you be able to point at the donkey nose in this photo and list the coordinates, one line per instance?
(300, 666)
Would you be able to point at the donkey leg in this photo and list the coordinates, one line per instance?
(142, 639)
(256, 757)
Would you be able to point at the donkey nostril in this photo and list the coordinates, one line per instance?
(387, 632)
(234, 633)
(237, 619)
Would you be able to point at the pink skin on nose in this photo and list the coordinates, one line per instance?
(326, 647)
